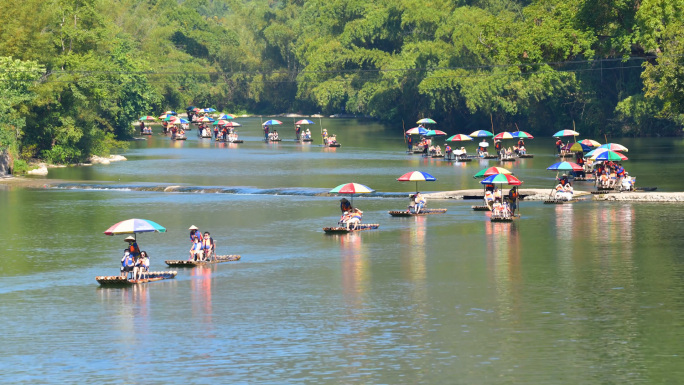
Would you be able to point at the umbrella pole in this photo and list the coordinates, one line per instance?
(320, 123)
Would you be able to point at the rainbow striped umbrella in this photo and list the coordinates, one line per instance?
(501, 179)
(609, 155)
(566, 133)
(614, 147)
(304, 121)
(206, 119)
(271, 122)
(590, 143)
(417, 131)
(481, 134)
(134, 226)
(232, 124)
(352, 188)
(226, 117)
(565, 166)
(416, 176)
(148, 118)
(435, 133)
(579, 147)
(504, 135)
(426, 121)
(492, 171)
(459, 138)
(522, 135)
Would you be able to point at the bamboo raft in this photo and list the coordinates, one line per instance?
(558, 201)
(146, 133)
(407, 213)
(343, 230)
(507, 160)
(216, 259)
(306, 140)
(205, 136)
(480, 208)
(178, 137)
(524, 156)
(118, 281)
(334, 145)
(459, 159)
(273, 140)
(230, 141)
(501, 219)
(490, 157)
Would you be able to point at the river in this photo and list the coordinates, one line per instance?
(586, 293)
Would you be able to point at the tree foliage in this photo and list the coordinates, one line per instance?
(607, 66)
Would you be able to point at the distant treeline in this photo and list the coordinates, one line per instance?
(75, 73)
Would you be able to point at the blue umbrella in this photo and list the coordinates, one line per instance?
(208, 110)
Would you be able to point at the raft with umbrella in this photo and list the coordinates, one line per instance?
(351, 189)
(484, 173)
(301, 138)
(134, 226)
(213, 260)
(558, 167)
(416, 176)
(502, 179)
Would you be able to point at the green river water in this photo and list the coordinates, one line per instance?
(583, 293)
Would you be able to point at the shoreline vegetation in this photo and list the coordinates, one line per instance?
(70, 90)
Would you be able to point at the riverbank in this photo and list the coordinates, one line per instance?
(543, 194)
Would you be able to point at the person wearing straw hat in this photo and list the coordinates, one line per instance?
(196, 239)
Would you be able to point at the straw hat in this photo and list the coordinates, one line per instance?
(129, 239)
(193, 227)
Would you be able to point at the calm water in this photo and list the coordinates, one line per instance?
(589, 293)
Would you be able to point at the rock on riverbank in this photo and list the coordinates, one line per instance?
(530, 194)
(641, 197)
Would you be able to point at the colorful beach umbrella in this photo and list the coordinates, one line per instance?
(208, 110)
(481, 134)
(590, 143)
(565, 166)
(416, 176)
(417, 131)
(566, 133)
(220, 122)
(614, 147)
(148, 118)
(134, 226)
(492, 171)
(579, 147)
(304, 121)
(206, 119)
(232, 124)
(522, 135)
(609, 155)
(504, 135)
(435, 133)
(226, 116)
(271, 122)
(352, 189)
(501, 179)
(426, 121)
(179, 121)
(459, 138)
(170, 113)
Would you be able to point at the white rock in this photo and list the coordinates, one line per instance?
(41, 170)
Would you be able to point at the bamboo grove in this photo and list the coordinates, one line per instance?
(74, 74)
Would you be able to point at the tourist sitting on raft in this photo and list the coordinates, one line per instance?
(142, 266)
(332, 140)
(482, 149)
(418, 203)
(353, 219)
(208, 247)
(307, 134)
(563, 192)
(196, 240)
(501, 210)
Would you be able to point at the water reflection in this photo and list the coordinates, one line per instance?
(504, 265)
(200, 295)
(355, 267)
(413, 250)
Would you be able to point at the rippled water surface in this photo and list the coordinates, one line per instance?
(588, 293)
